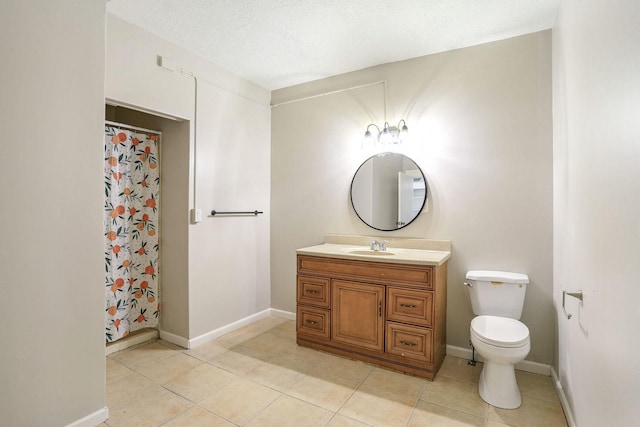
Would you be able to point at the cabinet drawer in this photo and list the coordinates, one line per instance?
(314, 291)
(411, 306)
(410, 341)
(313, 321)
(371, 272)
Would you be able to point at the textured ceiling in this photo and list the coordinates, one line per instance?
(280, 43)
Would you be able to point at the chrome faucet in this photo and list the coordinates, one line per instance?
(379, 246)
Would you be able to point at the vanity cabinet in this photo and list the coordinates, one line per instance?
(389, 314)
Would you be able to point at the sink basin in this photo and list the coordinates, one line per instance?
(369, 252)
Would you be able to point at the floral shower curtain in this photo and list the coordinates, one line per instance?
(132, 184)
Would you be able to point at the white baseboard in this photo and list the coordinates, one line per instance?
(174, 339)
(216, 333)
(92, 420)
(212, 335)
(568, 413)
(525, 365)
(283, 314)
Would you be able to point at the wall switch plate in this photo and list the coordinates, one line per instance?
(196, 215)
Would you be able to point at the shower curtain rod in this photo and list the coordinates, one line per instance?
(122, 125)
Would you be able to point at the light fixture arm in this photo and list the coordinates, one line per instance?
(388, 134)
(367, 134)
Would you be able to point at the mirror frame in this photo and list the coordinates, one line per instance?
(424, 201)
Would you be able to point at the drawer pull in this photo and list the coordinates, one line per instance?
(310, 291)
(408, 344)
(408, 305)
(311, 322)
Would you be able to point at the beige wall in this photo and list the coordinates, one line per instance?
(225, 271)
(596, 87)
(480, 119)
(52, 365)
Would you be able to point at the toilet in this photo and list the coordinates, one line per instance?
(497, 299)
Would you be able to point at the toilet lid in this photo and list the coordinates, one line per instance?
(500, 331)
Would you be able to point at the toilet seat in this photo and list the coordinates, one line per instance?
(500, 331)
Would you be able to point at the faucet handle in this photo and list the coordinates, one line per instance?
(375, 245)
(383, 245)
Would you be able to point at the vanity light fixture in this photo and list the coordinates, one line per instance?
(389, 135)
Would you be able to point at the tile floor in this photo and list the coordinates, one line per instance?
(258, 376)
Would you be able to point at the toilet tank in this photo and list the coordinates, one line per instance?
(497, 293)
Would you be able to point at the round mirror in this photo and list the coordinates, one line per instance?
(388, 191)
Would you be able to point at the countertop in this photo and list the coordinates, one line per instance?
(352, 247)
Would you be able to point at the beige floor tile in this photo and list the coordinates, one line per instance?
(239, 401)
(200, 382)
(170, 345)
(379, 407)
(270, 343)
(256, 354)
(240, 378)
(148, 353)
(268, 323)
(346, 368)
(289, 412)
(274, 376)
(455, 394)
(396, 382)
(300, 359)
(207, 351)
(197, 417)
(315, 357)
(116, 370)
(130, 388)
(286, 328)
(532, 413)
(459, 369)
(432, 415)
(342, 421)
(147, 410)
(324, 390)
(167, 369)
(537, 386)
(239, 361)
(237, 337)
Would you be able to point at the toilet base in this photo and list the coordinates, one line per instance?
(498, 386)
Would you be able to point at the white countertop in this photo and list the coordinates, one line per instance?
(358, 248)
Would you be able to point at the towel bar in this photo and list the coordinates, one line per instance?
(256, 212)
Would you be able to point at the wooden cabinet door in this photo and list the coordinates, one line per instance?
(357, 314)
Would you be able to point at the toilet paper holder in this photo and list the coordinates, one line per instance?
(571, 294)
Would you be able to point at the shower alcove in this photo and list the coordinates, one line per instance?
(173, 226)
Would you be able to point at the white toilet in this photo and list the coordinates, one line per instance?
(497, 298)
